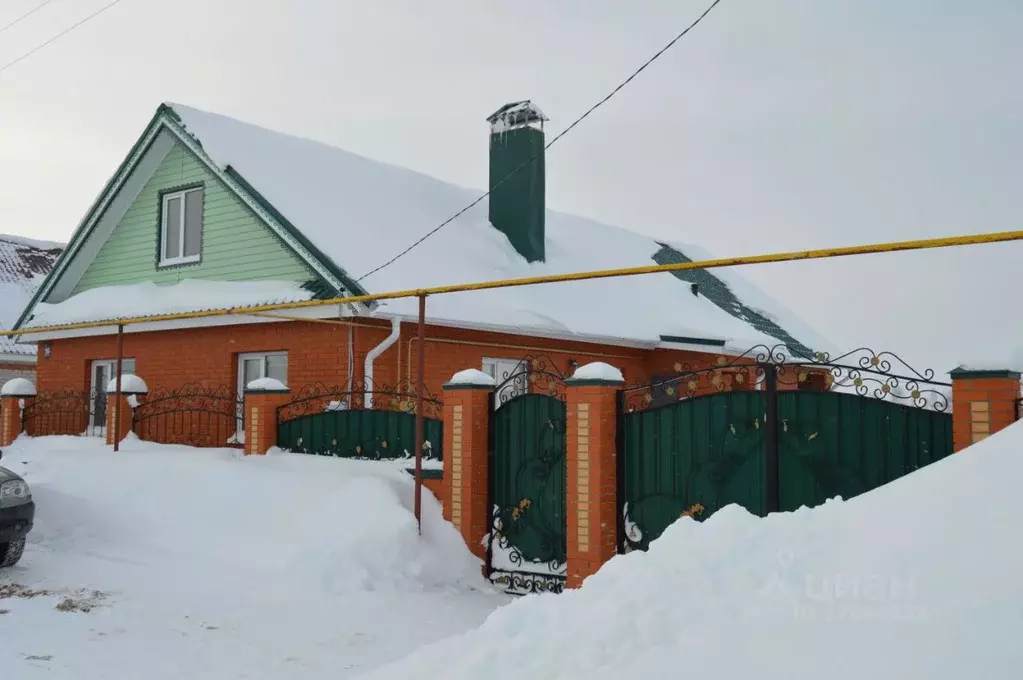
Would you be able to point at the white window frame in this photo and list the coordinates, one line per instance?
(242, 357)
(181, 258)
(496, 367)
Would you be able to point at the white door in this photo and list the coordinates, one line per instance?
(103, 371)
(511, 376)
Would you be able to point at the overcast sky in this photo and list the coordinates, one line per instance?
(775, 125)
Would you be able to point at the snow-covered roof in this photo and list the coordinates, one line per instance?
(360, 213)
(150, 299)
(24, 263)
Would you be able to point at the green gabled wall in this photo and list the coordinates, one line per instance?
(236, 245)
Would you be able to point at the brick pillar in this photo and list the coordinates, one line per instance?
(592, 473)
(133, 389)
(10, 417)
(260, 410)
(16, 394)
(466, 477)
(983, 402)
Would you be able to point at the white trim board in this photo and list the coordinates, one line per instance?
(331, 312)
(26, 359)
(81, 252)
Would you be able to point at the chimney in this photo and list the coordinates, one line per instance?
(517, 206)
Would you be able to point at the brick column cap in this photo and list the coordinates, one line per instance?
(470, 379)
(596, 373)
(18, 387)
(965, 373)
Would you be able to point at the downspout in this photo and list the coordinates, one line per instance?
(374, 353)
(351, 359)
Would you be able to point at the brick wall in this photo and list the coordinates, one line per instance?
(318, 352)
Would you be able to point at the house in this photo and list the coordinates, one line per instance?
(208, 212)
(23, 265)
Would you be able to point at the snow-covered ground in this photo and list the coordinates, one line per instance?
(203, 564)
(921, 579)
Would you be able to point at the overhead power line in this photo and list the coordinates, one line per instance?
(26, 15)
(549, 144)
(58, 36)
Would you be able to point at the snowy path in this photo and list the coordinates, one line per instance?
(211, 566)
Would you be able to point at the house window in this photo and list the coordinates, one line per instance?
(258, 365)
(181, 228)
(253, 366)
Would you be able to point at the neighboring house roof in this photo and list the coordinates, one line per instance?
(24, 263)
(357, 213)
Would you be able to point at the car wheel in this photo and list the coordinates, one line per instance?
(10, 552)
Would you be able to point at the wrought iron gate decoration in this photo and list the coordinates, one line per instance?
(772, 431)
(526, 546)
(341, 422)
(68, 412)
(193, 415)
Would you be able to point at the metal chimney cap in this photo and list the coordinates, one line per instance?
(517, 114)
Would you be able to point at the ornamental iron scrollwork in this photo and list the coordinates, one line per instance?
(528, 533)
(315, 398)
(862, 371)
(725, 374)
(524, 583)
(193, 414)
(881, 375)
(533, 374)
(63, 412)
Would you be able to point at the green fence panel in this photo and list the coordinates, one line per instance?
(360, 433)
(706, 450)
(834, 444)
(711, 450)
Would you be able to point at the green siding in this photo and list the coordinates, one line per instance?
(236, 245)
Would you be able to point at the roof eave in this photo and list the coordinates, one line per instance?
(76, 238)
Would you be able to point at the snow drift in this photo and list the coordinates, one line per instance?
(207, 565)
(331, 525)
(917, 579)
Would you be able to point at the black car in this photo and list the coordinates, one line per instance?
(16, 514)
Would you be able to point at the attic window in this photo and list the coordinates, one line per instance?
(181, 227)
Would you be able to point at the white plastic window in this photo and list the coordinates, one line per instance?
(181, 228)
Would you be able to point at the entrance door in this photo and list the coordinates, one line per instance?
(511, 376)
(103, 371)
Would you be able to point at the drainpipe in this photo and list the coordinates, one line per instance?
(377, 351)
(350, 387)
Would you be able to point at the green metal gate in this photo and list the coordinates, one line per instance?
(378, 424)
(526, 549)
(695, 455)
(771, 434)
(832, 444)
